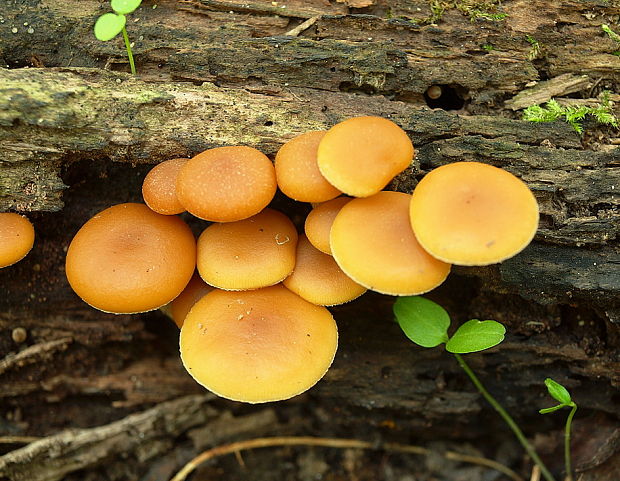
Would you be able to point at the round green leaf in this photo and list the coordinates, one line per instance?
(475, 336)
(557, 391)
(124, 7)
(108, 26)
(424, 322)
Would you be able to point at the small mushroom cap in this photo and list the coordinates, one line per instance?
(129, 259)
(373, 243)
(318, 279)
(195, 290)
(360, 156)
(227, 184)
(298, 173)
(319, 223)
(16, 238)
(248, 254)
(473, 214)
(159, 187)
(257, 346)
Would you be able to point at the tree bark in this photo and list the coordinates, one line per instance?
(77, 134)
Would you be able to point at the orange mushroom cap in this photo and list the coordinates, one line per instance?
(318, 279)
(248, 254)
(227, 184)
(297, 171)
(129, 259)
(195, 290)
(319, 223)
(469, 213)
(373, 243)
(360, 156)
(16, 238)
(257, 346)
(159, 187)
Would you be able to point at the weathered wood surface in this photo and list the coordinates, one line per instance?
(75, 138)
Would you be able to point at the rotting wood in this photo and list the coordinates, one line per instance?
(61, 126)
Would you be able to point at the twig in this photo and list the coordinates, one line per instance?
(33, 353)
(294, 32)
(340, 443)
(535, 473)
(18, 439)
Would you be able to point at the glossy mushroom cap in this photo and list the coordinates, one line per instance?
(297, 171)
(195, 290)
(319, 223)
(257, 346)
(227, 184)
(473, 214)
(16, 238)
(159, 187)
(248, 254)
(360, 156)
(318, 279)
(128, 259)
(373, 243)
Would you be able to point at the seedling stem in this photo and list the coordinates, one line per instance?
(569, 420)
(132, 65)
(502, 412)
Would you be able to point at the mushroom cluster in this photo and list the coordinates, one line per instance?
(250, 294)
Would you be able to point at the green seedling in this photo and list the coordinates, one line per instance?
(535, 48)
(572, 114)
(560, 394)
(612, 35)
(109, 25)
(426, 324)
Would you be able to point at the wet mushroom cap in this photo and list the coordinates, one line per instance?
(159, 187)
(373, 243)
(360, 156)
(318, 279)
(248, 254)
(129, 259)
(297, 171)
(319, 222)
(16, 238)
(469, 213)
(195, 290)
(227, 184)
(257, 346)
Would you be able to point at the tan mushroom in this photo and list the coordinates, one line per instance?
(373, 243)
(226, 184)
(16, 238)
(195, 290)
(473, 214)
(297, 171)
(318, 279)
(159, 187)
(248, 254)
(129, 259)
(319, 222)
(360, 156)
(257, 346)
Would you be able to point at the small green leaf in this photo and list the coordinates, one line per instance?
(108, 26)
(124, 7)
(475, 336)
(424, 322)
(552, 409)
(558, 392)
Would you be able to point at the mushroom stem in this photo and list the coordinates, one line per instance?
(504, 414)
